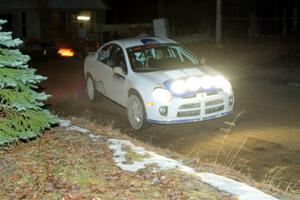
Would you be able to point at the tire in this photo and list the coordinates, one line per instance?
(136, 112)
(92, 92)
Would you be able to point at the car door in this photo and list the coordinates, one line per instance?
(101, 70)
(117, 86)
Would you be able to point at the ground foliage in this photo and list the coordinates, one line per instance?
(81, 168)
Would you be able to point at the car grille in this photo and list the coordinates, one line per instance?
(198, 108)
(190, 106)
(188, 113)
(214, 109)
(211, 93)
(214, 102)
(189, 97)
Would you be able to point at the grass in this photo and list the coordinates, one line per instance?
(275, 176)
(69, 165)
(232, 167)
(227, 131)
(273, 179)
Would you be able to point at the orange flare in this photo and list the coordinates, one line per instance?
(65, 52)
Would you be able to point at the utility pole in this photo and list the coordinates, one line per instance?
(161, 8)
(284, 32)
(295, 16)
(219, 22)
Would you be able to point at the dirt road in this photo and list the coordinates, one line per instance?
(265, 137)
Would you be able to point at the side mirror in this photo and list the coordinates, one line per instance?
(118, 71)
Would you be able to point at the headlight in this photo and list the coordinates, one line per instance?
(178, 86)
(162, 95)
(220, 82)
(193, 84)
(206, 82)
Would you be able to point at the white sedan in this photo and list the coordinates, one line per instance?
(158, 81)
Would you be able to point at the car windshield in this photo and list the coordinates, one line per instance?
(154, 57)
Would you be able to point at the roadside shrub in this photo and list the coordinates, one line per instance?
(22, 115)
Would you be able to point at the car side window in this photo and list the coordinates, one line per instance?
(104, 54)
(118, 58)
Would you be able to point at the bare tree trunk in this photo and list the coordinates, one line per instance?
(295, 15)
(284, 31)
(161, 8)
(219, 22)
(253, 25)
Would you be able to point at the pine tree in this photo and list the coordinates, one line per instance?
(22, 115)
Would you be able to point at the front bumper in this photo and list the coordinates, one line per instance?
(200, 107)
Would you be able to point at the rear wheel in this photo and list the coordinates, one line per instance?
(91, 89)
(136, 112)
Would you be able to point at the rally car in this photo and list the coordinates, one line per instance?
(157, 81)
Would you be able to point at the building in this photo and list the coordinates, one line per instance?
(54, 21)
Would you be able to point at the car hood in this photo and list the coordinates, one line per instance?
(159, 77)
(165, 78)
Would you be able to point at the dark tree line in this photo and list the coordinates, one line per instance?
(247, 18)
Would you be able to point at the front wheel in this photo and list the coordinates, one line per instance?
(91, 89)
(136, 112)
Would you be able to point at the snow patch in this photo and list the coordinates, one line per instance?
(95, 138)
(241, 190)
(151, 158)
(77, 128)
(69, 127)
(67, 124)
(64, 123)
